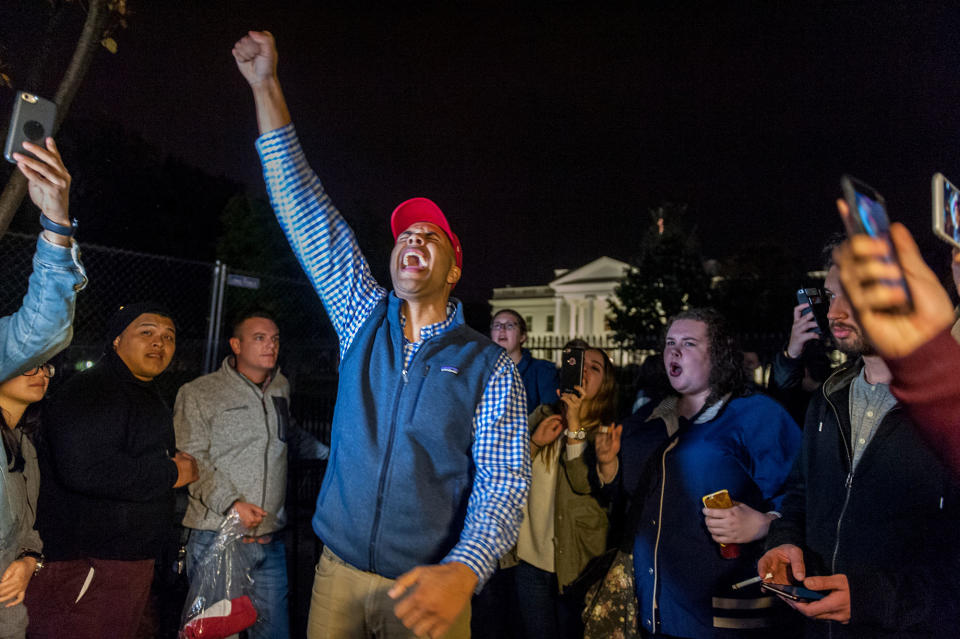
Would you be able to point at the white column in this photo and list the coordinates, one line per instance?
(557, 316)
(588, 317)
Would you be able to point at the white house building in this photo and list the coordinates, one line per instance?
(575, 304)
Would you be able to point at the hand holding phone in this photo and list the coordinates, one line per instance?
(864, 211)
(816, 302)
(721, 499)
(48, 180)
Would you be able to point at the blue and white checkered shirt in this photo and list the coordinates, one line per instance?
(331, 258)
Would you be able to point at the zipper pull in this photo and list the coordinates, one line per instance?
(850, 479)
(404, 373)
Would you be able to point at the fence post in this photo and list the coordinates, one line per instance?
(216, 311)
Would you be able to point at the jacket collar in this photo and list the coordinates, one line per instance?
(843, 376)
(119, 367)
(667, 410)
(229, 368)
(452, 321)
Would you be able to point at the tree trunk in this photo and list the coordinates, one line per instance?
(93, 28)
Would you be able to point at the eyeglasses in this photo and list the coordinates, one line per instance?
(48, 370)
(505, 326)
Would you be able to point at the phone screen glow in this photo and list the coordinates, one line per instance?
(873, 216)
(951, 213)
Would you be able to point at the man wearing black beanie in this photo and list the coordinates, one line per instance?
(109, 467)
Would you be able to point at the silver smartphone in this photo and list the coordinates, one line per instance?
(32, 121)
(946, 210)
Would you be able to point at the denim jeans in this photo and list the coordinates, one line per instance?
(543, 612)
(269, 581)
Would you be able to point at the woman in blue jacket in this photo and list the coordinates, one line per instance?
(705, 437)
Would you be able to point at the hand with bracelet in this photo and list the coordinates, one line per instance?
(13, 584)
(49, 188)
(572, 402)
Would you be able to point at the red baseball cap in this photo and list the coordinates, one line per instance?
(420, 209)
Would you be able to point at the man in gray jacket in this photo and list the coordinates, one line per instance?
(235, 421)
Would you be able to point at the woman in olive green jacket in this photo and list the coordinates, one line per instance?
(564, 526)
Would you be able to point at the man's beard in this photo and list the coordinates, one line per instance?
(854, 344)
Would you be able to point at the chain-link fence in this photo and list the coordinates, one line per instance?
(187, 288)
(204, 298)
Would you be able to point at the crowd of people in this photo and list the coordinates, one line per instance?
(466, 491)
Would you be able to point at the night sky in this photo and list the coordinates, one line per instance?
(547, 133)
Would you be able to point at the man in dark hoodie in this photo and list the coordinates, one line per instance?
(869, 507)
(109, 467)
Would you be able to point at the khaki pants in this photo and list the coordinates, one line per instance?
(348, 603)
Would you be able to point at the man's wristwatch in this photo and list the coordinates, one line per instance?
(38, 556)
(59, 229)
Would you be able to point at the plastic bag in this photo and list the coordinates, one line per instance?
(221, 601)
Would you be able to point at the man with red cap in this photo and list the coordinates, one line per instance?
(429, 464)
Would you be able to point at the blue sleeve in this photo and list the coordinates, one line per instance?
(501, 454)
(320, 238)
(773, 442)
(43, 326)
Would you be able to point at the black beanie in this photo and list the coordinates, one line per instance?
(124, 315)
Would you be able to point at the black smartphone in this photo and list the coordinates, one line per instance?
(816, 301)
(793, 593)
(868, 216)
(946, 210)
(32, 121)
(571, 370)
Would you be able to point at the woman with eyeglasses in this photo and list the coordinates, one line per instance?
(21, 556)
(509, 330)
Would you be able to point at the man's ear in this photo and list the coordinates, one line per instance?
(453, 275)
(235, 345)
(116, 341)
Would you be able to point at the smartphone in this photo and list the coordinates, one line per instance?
(32, 121)
(868, 216)
(946, 210)
(793, 593)
(571, 370)
(816, 301)
(719, 499)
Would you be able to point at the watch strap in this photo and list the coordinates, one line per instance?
(37, 556)
(59, 229)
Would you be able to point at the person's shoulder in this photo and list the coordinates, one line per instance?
(204, 385)
(757, 410)
(543, 365)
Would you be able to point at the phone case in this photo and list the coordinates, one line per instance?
(571, 369)
(868, 216)
(32, 121)
(946, 210)
(719, 499)
(816, 301)
(793, 593)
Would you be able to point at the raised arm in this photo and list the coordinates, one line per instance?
(321, 239)
(256, 56)
(42, 326)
